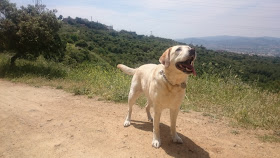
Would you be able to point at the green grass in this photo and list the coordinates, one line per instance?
(38, 68)
(107, 82)
(245, 105)
(269, 138)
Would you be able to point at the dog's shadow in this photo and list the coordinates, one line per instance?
(187, 150)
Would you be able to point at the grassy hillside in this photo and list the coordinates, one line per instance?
(263, 72)
(90, 41)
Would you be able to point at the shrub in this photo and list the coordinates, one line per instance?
(81, 43)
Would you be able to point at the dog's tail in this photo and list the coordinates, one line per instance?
(126, 69)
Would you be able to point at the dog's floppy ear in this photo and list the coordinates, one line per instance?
(165, 58)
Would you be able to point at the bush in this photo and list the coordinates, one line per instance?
(40, 67)
(75, 55)
(81, 43)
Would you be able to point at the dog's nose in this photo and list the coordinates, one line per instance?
(192, 52)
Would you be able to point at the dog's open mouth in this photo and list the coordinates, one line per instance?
(186, 66)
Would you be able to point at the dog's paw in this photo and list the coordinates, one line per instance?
(156, 143)
(177, 139)
(150, 119)
(126, 123)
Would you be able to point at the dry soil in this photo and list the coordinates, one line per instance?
(46, 122)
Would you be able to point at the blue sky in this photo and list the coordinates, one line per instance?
(177, 18)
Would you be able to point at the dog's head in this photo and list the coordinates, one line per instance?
(181, 57)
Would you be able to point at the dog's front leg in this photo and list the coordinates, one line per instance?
(173, 118)
(156, 132)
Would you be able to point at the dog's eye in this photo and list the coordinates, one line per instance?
(178, 49)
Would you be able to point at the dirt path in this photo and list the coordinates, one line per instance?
(46, 122)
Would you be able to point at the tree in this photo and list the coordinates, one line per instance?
(30, 31)
(60, 17)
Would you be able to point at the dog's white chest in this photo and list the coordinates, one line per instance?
(169, 99)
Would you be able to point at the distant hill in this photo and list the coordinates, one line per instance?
(88, 40)
(265, 46)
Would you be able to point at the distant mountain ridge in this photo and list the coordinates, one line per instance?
(265, 46)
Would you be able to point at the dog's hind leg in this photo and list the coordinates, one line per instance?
(148, 106)
(134, 93)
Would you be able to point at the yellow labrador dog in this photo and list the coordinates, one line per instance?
(164, 86)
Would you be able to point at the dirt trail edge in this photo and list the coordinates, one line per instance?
(46, 122)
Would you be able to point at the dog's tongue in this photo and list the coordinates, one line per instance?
(190, 67)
